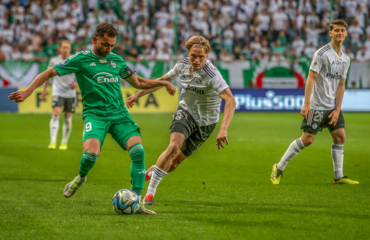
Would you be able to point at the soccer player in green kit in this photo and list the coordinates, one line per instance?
(98, 73)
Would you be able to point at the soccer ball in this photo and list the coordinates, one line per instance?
(125, 201)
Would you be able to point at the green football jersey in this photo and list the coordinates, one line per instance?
(99, 81)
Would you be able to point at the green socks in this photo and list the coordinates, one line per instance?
(137, 169)
(87, 162)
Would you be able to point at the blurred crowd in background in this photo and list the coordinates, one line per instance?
(273, 30)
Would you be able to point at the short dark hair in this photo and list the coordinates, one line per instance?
(339, 22)
(106, 28)
(65, 41)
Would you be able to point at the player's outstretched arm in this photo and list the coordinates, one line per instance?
(338, 102)
(143, 83)
(229, 110)
(20, 96)
(306, 110)
(132, 99)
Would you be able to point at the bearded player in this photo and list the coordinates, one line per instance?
(98, 73)
(322, 107)
(203, 88)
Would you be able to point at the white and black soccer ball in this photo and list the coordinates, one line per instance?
(125, 201)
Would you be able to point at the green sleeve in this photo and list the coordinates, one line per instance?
(70, 65)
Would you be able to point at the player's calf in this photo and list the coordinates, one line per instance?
(137, 169)
(172, 151)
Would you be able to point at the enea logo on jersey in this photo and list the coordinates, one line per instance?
(105, 77)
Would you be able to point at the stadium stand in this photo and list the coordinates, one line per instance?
(238, 30)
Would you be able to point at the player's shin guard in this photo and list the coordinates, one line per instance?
(67, 128)
(87, 162)
(295, 147)
(54, 127)
(337, 156)
(137, 169)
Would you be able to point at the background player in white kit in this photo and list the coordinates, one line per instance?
(322, 107)
(197, 114)
(64, 95)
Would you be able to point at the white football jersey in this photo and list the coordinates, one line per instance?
(200, 90)
(331, 68)
(62, 85)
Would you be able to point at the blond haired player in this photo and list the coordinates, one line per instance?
(322, 107)
(64, 95)
(203, 88)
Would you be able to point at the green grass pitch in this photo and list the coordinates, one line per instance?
(214, 194)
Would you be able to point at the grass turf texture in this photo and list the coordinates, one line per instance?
(214, 194)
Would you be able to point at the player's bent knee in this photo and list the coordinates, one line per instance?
(92, 150)
(307, 141)
(56, 111)
(92, 145)
(339, 139)
(137, 153)
(96, 152)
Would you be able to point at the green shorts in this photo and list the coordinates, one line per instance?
(319, 119)
(195, 135)
(120, 129)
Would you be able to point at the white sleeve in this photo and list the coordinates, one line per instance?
(218, 83)
(174, 72)
(346, 70)
(316, 63)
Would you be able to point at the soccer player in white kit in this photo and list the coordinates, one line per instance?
(322, 107)
(64, 95)
(203, 88)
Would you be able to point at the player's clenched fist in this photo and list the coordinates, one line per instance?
(131, 100)
(171, 89)
(19, 96)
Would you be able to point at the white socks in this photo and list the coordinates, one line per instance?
(67, 128)
(157, 176)
(295, 147)
(337, 156)
(82, 180)
(54, 127)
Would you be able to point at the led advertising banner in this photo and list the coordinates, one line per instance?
(291, 100)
